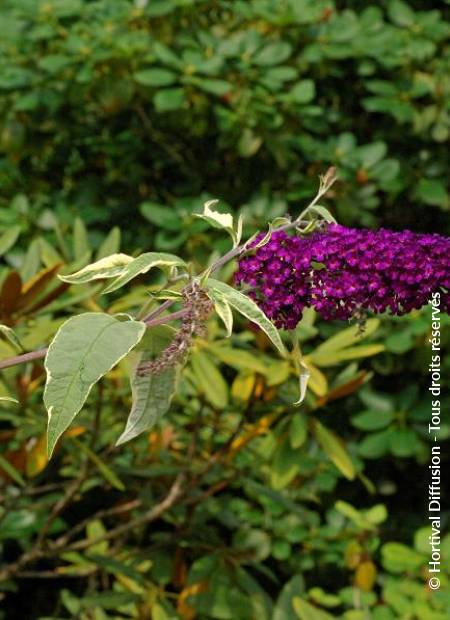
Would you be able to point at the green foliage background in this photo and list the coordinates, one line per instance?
(118, 119)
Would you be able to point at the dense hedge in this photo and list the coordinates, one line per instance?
(106, 105)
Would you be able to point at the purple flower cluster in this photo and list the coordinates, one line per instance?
(345, 273)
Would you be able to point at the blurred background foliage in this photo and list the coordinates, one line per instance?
(118, 119)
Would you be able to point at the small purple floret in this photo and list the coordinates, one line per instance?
(345, 272)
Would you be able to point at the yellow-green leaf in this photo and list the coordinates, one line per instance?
(84, 349)
(238, 358)
(305, 611)
(250, 310)
(365, 576)
(318, 383)
(243, 386)
(349, 336)
(11, 336)
(143, 264)
(151, 394)
(215, 218)
(223, 309)
(330, 358)
(107, 267)
(334, 449)
(111, 243)
(81, 246)
(209, 380)
(8, 239)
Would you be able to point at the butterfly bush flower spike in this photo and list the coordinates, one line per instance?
(345, 273)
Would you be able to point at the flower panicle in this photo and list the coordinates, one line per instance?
(198, 307)
(345, 273)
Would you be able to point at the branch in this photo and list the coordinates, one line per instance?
(176, 490)
(21, 359)
(41, 353)
(151, 319)
(172, 496)
(100, 514)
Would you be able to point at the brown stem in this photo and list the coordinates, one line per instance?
(159, 310)
(176, 490)
(41, 353)
(21, 359)
(179, 314)
(100, 514)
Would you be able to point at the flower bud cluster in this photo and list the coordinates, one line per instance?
(197, 307)
(345, 273)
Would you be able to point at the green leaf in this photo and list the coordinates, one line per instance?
(84, 349)
(156, 8)
(11, 470)
(81, 245)
(377, 514)
(160, 216)
(48, 254)
(212, 86)
(401, 13)
(115, 567)
(166, 55)
(249, 143)
(158, 613)
(433, 192)
(111, 243)
(357, 517)
(109, 600)
(250, 310)
(272, 54)
(209, 380)
(67, 8)
(403, 442)
(239, 359)
(334, 449)
(151, 394)
(371, 154)
(398, 558)
(283, 608)
(169, 99)
(8, 239)
(303, 92)
(9, 399)
(31, 262)
(222, 307)
(285, 465)
(107, 267)
(305, 611)
(143, 264)
(298, 430)
(54, 63)
(222, 221)
(375, 445)
(372, 420)
(319, 596)
(323, 212)
(155, 77)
